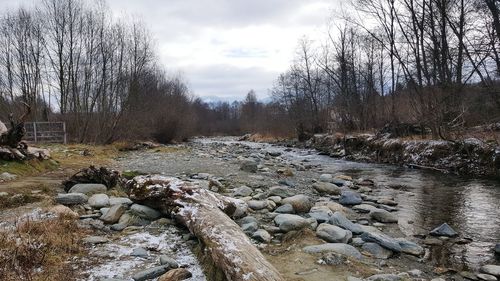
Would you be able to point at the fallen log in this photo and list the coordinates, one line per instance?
(207, 215)
(108, 177)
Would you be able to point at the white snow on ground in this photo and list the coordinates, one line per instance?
(121, 264)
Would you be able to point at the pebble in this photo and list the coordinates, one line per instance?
(139, 252)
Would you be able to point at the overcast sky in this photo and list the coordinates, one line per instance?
(224, 48)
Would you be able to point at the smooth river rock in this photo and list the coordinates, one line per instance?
(444, 230)
(288, 222)
(376, 250)
(410, 248)
(145, 212)
(88, 188)
(383, 216)
(321, 213)
(333, 234)
(350, 198)
(339, 219)
(327, 188)
(281, 191)
(301, 203)
(113, 214)
(150, 273)
(71, 198)
(491, 269)
(339, 248)
(98, 201)
(383, 240)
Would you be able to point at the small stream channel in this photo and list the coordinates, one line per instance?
(426, 200)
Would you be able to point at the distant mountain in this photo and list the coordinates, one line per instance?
(217, 99)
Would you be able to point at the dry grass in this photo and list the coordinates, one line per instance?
(40, 250)
(27, 168)
(268, 138)
(78, 156)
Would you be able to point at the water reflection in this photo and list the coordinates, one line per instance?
(427, 199)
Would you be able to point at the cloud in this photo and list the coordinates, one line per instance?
(224, 47)
(228, 81)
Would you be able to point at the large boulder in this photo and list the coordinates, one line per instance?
(88, 188)
(383, 240)
(288, 222)
(71, 198)
(340, 220)
(350, 198)
(333, 234)
(301, 203)
(339, 248)
(327, 188)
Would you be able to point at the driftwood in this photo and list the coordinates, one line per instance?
(109, 178)
(207, 215)
(11, 145)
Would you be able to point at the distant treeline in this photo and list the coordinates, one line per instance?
(434, 63)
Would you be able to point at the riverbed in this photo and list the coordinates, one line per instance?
(425, 199)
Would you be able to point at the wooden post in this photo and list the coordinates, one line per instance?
(35, 132)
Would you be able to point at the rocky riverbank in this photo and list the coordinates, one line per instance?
(467, 157)
(311, 221)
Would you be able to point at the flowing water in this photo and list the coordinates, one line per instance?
(426, 200)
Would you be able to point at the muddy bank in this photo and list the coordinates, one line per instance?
(469, 157)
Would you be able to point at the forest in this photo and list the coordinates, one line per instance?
(430, 63)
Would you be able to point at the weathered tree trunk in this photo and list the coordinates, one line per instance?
(11, 145)
(207, 215)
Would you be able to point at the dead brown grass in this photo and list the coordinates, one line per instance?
(268, 138)
(40, 250)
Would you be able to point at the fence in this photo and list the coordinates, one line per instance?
(46, 132)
